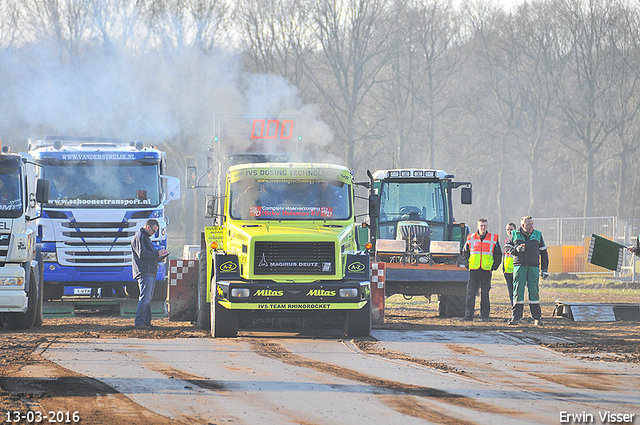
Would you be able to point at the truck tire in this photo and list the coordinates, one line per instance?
(160, 290)
(27, 319)
(358, 322)
(132, 290)
(224, 322)
(39, 313)
(53, 291)
(451, 305)
(203, 315)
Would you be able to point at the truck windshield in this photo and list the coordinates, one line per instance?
(290, 200)
(103, 185)
(412, 201)
(10, 195)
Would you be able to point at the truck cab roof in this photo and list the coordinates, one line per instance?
(405, 173)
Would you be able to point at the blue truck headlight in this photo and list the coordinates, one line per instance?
(348, 293)
(11, 281)
(49, 257)
(240, 292)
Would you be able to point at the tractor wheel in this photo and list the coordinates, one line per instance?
(451, 305)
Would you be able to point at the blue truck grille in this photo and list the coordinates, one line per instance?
(96, 243)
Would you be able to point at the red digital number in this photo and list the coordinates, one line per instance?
(287, 125)
(272, 129)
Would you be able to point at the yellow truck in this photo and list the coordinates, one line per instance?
(284, 245)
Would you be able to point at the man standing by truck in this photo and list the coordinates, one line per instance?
(484, 254)
(529, 256)
(145, 267)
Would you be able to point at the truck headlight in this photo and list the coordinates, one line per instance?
(11, 281)
(348, 293)
(240, 292)
(49, 257)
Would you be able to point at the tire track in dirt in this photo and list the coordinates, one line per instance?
(196, 380)
(53, 388)
(276, 351)
(212, 385)
(583, 377)
(371, 347)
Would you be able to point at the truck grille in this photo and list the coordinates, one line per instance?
(95, 244)
(314, 258)
(5, 238)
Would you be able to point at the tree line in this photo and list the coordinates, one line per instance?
(537, 106)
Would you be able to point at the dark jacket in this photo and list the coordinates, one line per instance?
(535, 252)
(479, 273)
(145, 256)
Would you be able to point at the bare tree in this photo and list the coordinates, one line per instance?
(10, 20)
(200, 24)
(588, 86)
(625, 102)
(63, 23)
(353, 42)
(521, 63)
(277, 36)
(118, 24)
(416, 80)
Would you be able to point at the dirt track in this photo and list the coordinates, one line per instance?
(45, 386)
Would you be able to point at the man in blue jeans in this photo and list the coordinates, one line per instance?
(145, 267)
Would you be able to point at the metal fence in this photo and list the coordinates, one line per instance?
(568, 242)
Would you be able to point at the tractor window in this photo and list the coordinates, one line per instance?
(422, 201)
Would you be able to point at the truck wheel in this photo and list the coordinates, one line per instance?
(358, 322)
(203, 316)
(160, 290)
(224, 322)
(451, 306)
(132, 290)
(27, 319)
(39, 315)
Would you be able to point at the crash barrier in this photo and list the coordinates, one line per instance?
(377, 292)
(568, 242)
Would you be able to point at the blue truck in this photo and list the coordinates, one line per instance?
(102, 190)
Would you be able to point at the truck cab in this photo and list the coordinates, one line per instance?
(21, 285)
(287, 248)
(102, 191)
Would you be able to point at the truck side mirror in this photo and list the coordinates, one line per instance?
(171, 188)
(190, 176)
(209, 206)
(42, 191)
(466, 195)
(374, 206)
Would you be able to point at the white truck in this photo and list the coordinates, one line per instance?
(21, 283)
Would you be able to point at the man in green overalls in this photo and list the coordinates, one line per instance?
(529, 256)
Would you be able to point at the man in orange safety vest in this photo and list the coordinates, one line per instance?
(484, 254)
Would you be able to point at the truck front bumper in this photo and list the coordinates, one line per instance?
(92, 276)
(348, 295)
(13, 298)
(13, 301)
